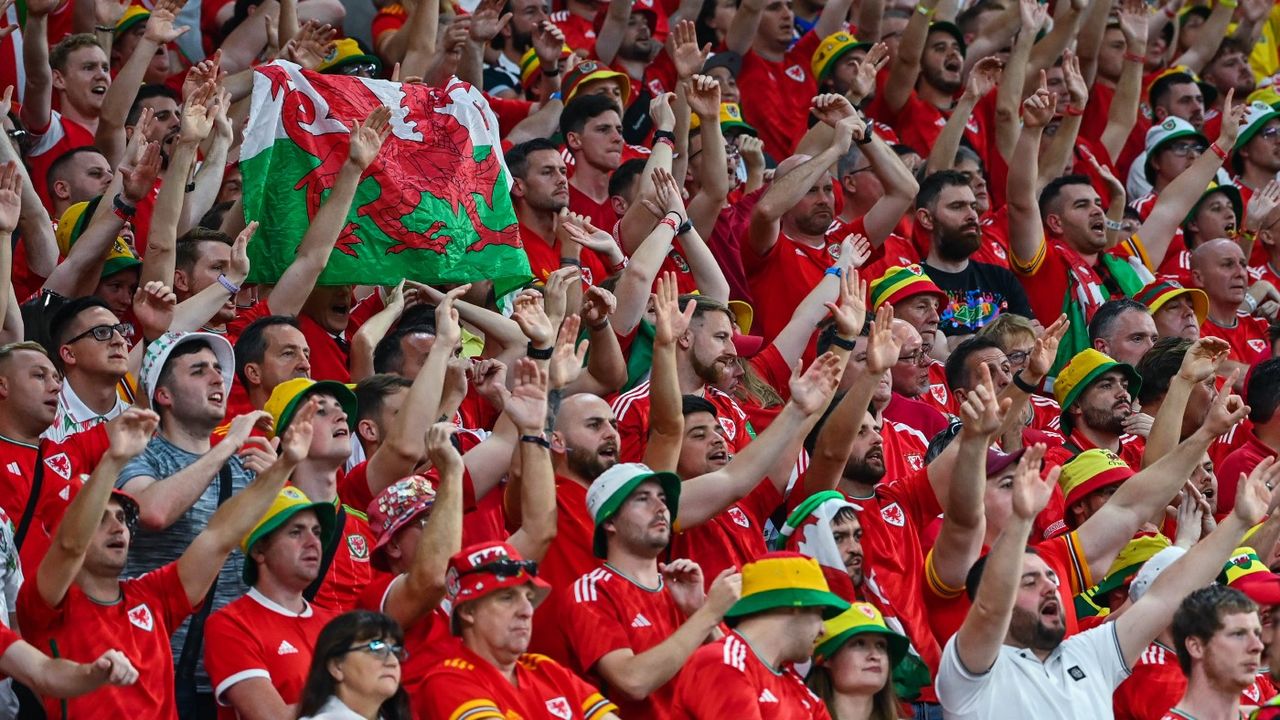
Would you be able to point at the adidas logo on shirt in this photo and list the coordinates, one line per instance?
(767, 696)
(286, 648)
(13, 468)
(641, 621)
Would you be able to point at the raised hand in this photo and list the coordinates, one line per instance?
(851, 314)
(566, 360)
(855, 250)
(441, 452)
(1261, 204)
(533, 320)
(487, 20)
(526, 404)
(10, 197)
(548, 44)
(864, 80)
(311, 45)
(367, 137)
(555, 294)
(242, 426)
(1232, 119)
(140, 178)
(1256, 492)
(982, 410)
(1115, 187)
(662, 113)
(811, 391)
(1134, 17)
(197, 114)
(258, 454)
(752, 150)
(202, 73)
(160, 29)
(1077, 88)
(670, 322)
(456, 36)
(1033, 15)
(831, 108)
(685, 53)
(1040, 361)
(849, 129)
(725, 590)
(683, 578)
(238, 266)
(1038, 109)
(105, 12)
(153, 305)
(597, 305)
(882, 346)
(1226, 410)
(1030, 491)
(983, 78)
(703, 94)
(668, 192)
(490, 379)
(588, 236)
(448, 327)
(130, 432)
(1203, 359)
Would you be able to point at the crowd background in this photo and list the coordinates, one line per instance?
(877, 359)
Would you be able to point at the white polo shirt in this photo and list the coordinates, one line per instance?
(1075, 682)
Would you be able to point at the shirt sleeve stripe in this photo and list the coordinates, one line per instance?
(1079, 563)
(1030, 266)
(597, 706)
(236, 678)
(939, 588)
(482, 709)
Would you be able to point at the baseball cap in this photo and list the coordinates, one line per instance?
(1266, 95)
(728, 60)
(1173, 128)
(1151, 569)
(397, 506)
(998, 462)
(1130, 560)
(1246, 572)
(484, 568)
(832, 48)
(951, 29)
(589, 71)
(285, 399)
(1090, 471)
(289, 502)
(158, 352)
(1155, 295)
(1258, 114)
(133, 15)
(1083, 369)
(72, 225)
(344, 52)
(731, 119)
(785, 580)
(860, 619)
(611, 489)
(901, 282)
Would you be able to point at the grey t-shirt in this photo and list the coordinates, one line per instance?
(151, 550)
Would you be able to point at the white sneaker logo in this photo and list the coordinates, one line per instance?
(767, 696)
(641, 621)
(286, 648)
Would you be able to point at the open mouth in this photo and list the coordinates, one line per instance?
(216, 397)
(719, 456)
(1098, 228)
(117, 544)
(98, 89)
(341, 432)
(1050, 610)
(608, 451)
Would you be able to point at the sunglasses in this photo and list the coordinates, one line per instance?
(506, 569)
(381, 649)
(101, 333)
(1185, 149)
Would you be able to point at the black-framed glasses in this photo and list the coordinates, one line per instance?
(1270, 133)
(506, 569)
(102, 333)
(1019, 357)
(381, 649)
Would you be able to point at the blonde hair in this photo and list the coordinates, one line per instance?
(1007, 327)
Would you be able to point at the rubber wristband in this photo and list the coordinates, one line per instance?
(551, 73)
(1023, 385)
(1073, 111)
(1134, 57)
(867, 136)
(619, 267)
(833, 270)
(536, 354)
(570, 261)
(669, 223)
(664, 135)
(665, 141)
(842, 343)
(685, 227)
(1222, 154)
(123, 208)
(228, 285)
(536, 440)
(600, 326)
(1114, 224)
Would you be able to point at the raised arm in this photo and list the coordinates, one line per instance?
(420, 590)
(984, 78)
(192, 313)
(208, 179)
(129, 434)
(1089, 41)
(1137, 628)
(1057, 157)
(704, 209)
(297, 282)
(905, 68)
(526, 406)
(606, 369)
(666, 414)
(1026, 234)
(1177, 199)
(985, 626)
(706, 496)
(793, 340)
(832, 18)
(1050, 48)
(199, 564)
(10, 207)
(743, 27)
(1009, 92)
(1124, 106)
(37, 94)
(34, 223)
(612, 31)
(1210, 38)
(1199, 364)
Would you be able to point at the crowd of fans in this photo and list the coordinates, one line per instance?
(880, 359)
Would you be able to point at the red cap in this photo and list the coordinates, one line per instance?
(480, 569)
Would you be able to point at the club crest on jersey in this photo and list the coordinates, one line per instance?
(60, 464)
(655, 87)
(1258, 344)
(739, 517)
(679, 261)
(939, 393)
(560, 708)
(914, 460)
(730, 430)
(893, 515)
(358, 546)
(795, 72)
(451, 582)
(140, 616)
(834, 251)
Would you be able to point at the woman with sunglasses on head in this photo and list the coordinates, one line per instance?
(853, 664)
(355, 672)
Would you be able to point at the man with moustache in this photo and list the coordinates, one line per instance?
(646, 617)
(976, 291)
(1096, 395)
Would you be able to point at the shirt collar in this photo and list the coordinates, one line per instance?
(275, 607)
(75, 408)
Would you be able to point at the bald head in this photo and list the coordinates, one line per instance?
(576, 408)
(1212, 252)
(1218, 267)
(906, 335)
(586, 434)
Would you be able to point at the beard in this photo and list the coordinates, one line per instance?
(958, 244)
(1107, 420)
(862, 470)
(710, 373)
(587, 463)
(1027, 629)
(936, 79)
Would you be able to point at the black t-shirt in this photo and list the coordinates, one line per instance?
(977, 295)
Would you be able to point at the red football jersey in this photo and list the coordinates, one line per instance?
(632, 412)
(566, 560)
(1157, 683)
(1249, 339)
(731, 539)
(784, 275)
(726, 679)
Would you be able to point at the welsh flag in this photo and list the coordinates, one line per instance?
(435, 206)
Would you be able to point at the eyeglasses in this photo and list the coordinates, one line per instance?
(918, 357)
(381, 649)
(1270, 133)
(506, 569)
(1019, 357)
(1185, 149)
(101, 333)
(365, 70)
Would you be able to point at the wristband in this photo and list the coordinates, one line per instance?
(228, 285)
(570, 261)
(1023, 385)
(867, 136)
(536, 440)
(665, 141)
(842, 343)
(536, 354)
(1134, 57)
(619, 267)
(924, 10)
(1114, 224)
(1222, 154)
(666, 220)
(557, 95)
(664, 135)
(833, 270)
(1072, 111)
(600, 326)
(685, 227)
(122, 208)
(124, 216)
(551, 73)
